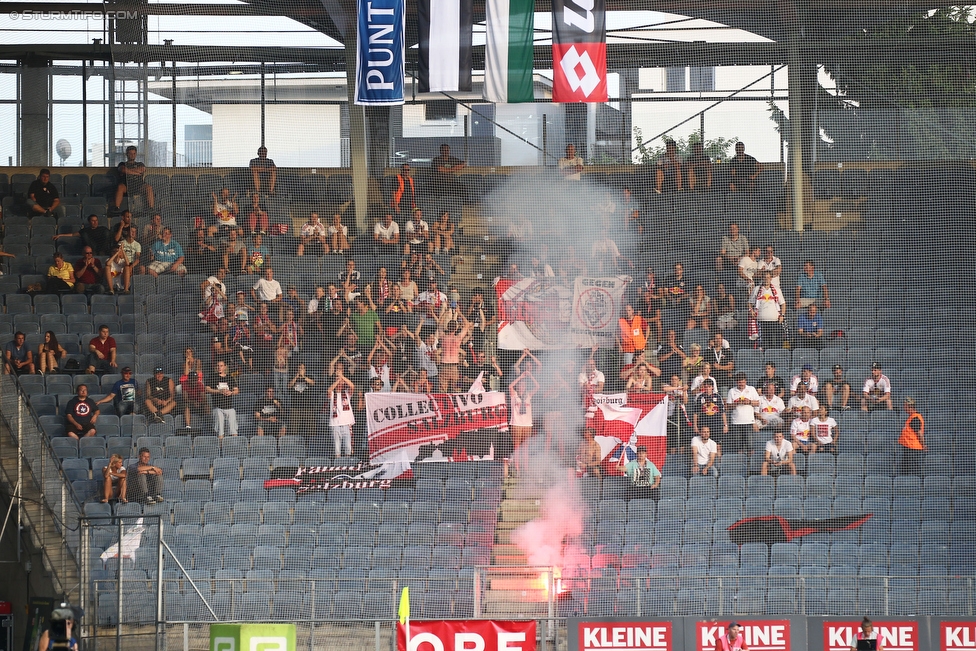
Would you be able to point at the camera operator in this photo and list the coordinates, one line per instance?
(59, 635)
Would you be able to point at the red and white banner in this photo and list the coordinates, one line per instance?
(623, 421)
(579, 51)
(625, 636)
(408, 427)
(466, 635)
(957, 636)
(758, 634)
(893, 636)
(542, 313)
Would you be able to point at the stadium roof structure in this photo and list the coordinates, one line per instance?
(818, 32)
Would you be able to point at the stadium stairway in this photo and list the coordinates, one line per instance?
(511, 592)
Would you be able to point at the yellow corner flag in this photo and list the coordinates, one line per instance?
(403, 612)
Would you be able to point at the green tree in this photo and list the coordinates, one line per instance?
(715, 148)
(925, 109)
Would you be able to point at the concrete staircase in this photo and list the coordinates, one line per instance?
(512, 590)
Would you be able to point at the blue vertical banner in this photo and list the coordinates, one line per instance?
(380, 52)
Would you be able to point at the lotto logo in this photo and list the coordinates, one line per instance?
(224, 644)
(268, 644)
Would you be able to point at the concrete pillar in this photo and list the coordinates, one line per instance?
(358, 151)
(378, 127)
(802, 93)
(35, 105)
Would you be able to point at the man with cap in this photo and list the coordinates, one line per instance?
(731, 639)
(838, 386)
(876, 393)
(645, 478)
(123, 394)
(807, 377)
(160, 395)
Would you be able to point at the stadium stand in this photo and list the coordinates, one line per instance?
(249, 548)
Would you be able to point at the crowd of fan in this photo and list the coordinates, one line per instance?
(399, 331)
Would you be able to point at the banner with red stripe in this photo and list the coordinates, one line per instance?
(435, 426)
(579, 51)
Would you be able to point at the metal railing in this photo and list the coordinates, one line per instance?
(42, 501)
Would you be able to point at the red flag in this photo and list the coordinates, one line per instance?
(623, 421)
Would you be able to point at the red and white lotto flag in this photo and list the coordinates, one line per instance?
(579, 51)
(624, 421)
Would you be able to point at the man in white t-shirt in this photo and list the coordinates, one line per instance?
(417, 233)
(876, 393)
(742, 400)
(386, 234)
(807, 377)
(571, 165)
(704, 452)
(801, 399)
(267, 289)
(771, 408)
(591, 379)
(803, 439)
(824, 429)
(779, 456)
(769, 262)
(313, 236)
(748, 265)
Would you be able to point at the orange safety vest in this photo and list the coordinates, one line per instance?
(401, 187)
(632, 336)
(910, 438)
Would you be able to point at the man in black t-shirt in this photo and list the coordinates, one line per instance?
(222, 388)
(744, 170)
(132, 179)
(81, 413)
(269, 413)
(98, 238)
(263, 166)
(160, 395)
(710, 411)
(43, 197)
(838, 389)
(770, 376)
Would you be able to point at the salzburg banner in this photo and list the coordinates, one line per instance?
(407, 427)
(470, 635)
(542, 313)
(579, 51)
(624, 421)
(380, 52)
(318, 479)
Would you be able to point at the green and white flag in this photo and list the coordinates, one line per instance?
(508, 51)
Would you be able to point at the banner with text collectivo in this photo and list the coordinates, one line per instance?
(764, 634)
(408, 427)
(380, 52)
(579, 51)
(892, 635)
(957, 636)
(456, 635)
(544, 313)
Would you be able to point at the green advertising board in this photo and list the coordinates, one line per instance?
(252, 637)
